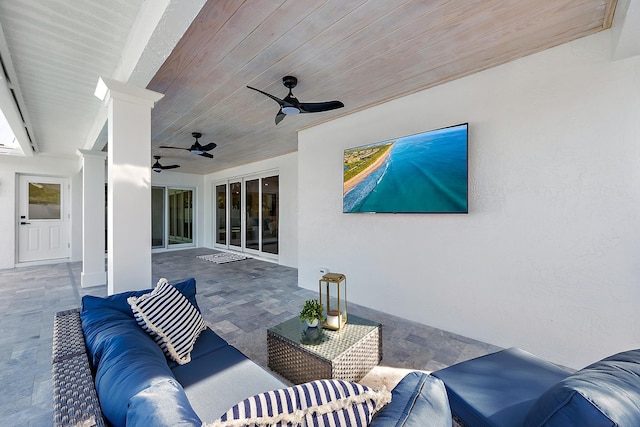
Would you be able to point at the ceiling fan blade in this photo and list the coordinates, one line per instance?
(207, 155)
(317, 107)
(210, 146)
(173, 148)
(279, 116)
(170, 167)
(275, 98)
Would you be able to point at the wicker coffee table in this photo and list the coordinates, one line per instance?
(303, 354)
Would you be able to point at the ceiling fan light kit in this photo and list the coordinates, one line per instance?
(196, 148)
(290, 105)
(157, 167)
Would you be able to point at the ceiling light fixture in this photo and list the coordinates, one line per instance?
(290, 110)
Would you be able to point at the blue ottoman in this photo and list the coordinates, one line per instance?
(500, 388)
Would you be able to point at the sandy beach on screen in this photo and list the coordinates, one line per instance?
(365, 173)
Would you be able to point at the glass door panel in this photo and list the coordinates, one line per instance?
(44, 201)
(180, 216)
(252, 238)
(235, 188)
(221, 214)
(270, 214)
(157, 217)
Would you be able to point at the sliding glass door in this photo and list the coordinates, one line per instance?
(270, 213)
(252, 240)
(251, 216)
(221, 214)
(235, 215)
(172, 217)
(180, 216)
(157, 218)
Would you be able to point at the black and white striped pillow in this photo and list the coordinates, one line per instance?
(172, 321)
(322, 403)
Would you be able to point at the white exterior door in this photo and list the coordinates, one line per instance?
(43, 223)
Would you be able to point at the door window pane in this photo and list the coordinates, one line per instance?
(44, 201)
(221, 214)
(253, 214)
(270, 214)
(157, 217)
(180, 216)
(236, 220)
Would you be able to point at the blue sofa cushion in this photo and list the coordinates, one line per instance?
(498, 389)
(98, 312)
(119, 301)
(227, 375)
(156, 406)
(418, 400)
(126, 360)
(606, 393)
(207, 342)
(131, 362)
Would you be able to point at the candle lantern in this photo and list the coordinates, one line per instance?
(333, 300)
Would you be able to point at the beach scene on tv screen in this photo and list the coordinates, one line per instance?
(422, 173)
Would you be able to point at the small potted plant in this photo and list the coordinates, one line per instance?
(311, 312)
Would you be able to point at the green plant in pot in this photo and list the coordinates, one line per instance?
(311, 312)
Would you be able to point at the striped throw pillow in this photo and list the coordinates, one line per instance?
(172, 321)
(321, 403)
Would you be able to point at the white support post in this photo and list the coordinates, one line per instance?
(93, 225)
(129, 184)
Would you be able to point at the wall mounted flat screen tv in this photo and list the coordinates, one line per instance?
(422, 173)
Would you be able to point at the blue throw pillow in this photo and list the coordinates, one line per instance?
(606, 393)
(418, 400)
(130, 363)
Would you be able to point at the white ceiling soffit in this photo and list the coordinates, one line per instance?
(60, 48)
(15, 125)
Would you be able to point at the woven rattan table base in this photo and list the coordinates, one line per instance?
(301, 364)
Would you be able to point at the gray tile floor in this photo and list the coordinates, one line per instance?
(239, 300)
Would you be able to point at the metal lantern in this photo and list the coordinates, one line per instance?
(334, 300)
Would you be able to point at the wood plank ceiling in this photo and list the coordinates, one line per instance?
(361, 52)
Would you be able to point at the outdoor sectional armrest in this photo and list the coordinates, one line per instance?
(75, 400)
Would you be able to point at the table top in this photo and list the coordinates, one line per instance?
(325, 343)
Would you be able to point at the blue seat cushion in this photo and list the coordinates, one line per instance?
(606, 393)
(207, 342)
(225, 377)
(498, 389)
(418, 400)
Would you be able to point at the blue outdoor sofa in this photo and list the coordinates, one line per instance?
(108, 371)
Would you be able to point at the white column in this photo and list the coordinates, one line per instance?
(93, 204)
(129, 184)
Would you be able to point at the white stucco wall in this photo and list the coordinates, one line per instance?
(10, 168)
(547, 258)
(287, 168)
